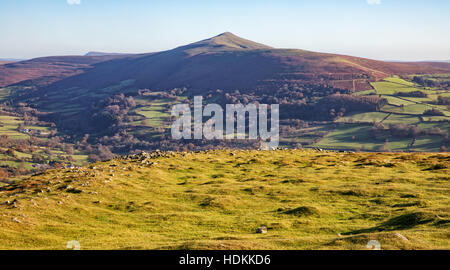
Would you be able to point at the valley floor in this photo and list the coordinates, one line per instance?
(217, 200)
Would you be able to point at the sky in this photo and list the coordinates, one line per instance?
(404, 30)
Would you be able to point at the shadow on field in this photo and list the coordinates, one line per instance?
(403, 222)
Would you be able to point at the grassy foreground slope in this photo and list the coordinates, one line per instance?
(217, 200)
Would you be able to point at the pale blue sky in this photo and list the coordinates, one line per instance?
(392, 29)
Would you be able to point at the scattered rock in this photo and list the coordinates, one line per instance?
(12, 203)
(262, 229)
(401, 236)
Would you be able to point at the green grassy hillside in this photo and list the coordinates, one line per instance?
(217, 200)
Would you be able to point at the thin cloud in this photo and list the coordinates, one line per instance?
(374, 2)
(73, 2)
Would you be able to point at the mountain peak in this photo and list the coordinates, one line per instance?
(226, 41)
(230, 40)
(226, 34)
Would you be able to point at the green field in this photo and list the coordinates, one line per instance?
(428, 143)
(5, 93)
(154, 112)
(401, 119)
(399, 81)
(359, 137)
(398, 101)
(366, 117)
(392, 85)
(350, 136)
(444, 126)
(9, 125)
(304, 136)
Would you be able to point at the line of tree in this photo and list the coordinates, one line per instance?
(419, 94)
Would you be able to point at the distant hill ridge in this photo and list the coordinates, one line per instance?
(224, 62)
(102, 54)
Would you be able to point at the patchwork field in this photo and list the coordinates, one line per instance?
(18, 158)
(354, 130)
(9, 125)
(155, 111)
(217, 199)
